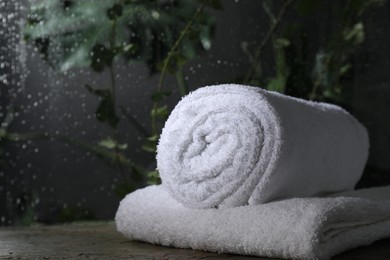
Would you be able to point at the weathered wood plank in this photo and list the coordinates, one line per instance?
(101, 241)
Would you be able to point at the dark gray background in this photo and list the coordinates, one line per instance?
(60, 175)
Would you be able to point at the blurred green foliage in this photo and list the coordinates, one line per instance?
(165, 35)
(92, 33)
(326, 73)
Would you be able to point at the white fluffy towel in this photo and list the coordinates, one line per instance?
(232, 145)
(299, 228)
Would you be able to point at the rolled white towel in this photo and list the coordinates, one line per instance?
(232, 145)
(300, 228)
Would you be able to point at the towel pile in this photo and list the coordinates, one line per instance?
(250, 171)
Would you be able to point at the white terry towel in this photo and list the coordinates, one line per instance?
(299, 228)
(233, 145)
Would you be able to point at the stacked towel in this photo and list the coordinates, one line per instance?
(299, 228)
(227, 150)
(233, 145)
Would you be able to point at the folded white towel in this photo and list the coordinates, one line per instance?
(300, 228)
(232, 145)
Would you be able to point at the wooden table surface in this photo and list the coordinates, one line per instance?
(100, 240)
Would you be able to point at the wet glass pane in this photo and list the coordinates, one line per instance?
(86, 86)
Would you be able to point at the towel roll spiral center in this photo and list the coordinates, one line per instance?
(217, 150)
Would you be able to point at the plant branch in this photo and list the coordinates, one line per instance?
(112, 74)
(169, 57)
(181, 82)
(100, 151)
(17, 137)
(135, 122)
(322, 68)
(268, 36)
(177, 44)
(117, 157)
(95, 149)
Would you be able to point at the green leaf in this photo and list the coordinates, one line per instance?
(101, 57)
(111, 144)
(355, 34)
(267, 7)
(2, 132)
(25, 136)
(205, 38)
(277, 84)
(160, 112)
(8, 119)
(43, 46)
(121, 190)
(158, 96)
(76, 59)
(129, 47)
(333, 95)
(153, 178)
(106, 111)
(344, 69)
(179, 59)
(321, 68)
(187, 50)
(108, 143)
(149, 147)
(122, 146)
(281, 43)
(153, 138)
(115, 11)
